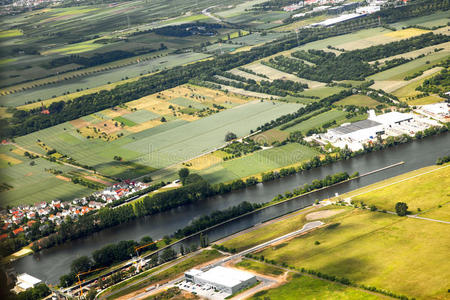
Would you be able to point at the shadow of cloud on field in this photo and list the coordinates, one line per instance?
(355, 269)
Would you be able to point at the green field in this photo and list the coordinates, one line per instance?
(258, 162)
(309, 288)
(10, 33)
(318, 121)
(259, 267)
(125, 121)
(31, 184)
(359, 100)
(403, 255)
(266, 232)
(436, 19)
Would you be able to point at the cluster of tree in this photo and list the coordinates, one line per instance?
(401, 208)
(352, 64)
(241, 148)
(436, 84)
(443, 160)
(253, 72)
(188, 29)
(104, 257)
(276, 87)
(216, 218)
(314, 185)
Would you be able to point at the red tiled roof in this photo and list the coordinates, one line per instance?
(18, 230)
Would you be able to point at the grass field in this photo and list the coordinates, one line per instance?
(435, 19)
(31, 184)
(403, 255)
(10, 33)
(259, 268)
(359, 100)
(309, 288)
(258, 162)
(425, 191)
(270, 136)
(399, 72)
(318, 121)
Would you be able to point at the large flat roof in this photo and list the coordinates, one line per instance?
(364, 124)
(225, 276)
(392, 117)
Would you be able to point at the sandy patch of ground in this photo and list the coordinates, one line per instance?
(28, 174)
(92, 178)
(108, 126)
(64, 178)
(115, 113)
(79, 123)
(323, 214)
(144, 126)
(22, 252)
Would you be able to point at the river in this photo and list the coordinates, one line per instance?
(50, 264)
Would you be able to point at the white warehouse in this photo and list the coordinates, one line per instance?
(223, 279)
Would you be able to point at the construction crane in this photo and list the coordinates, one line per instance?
(84, 273)
(136, 248)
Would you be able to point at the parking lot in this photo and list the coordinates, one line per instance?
(202, 290)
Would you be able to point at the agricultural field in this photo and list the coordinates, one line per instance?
(273, 74)
(98, 79)
(306, 287)
(422, 190)
(258, 162)
(318, 121)
(359, 100)
(354, 246)
(29, 181)
(407, 91)
(144, 142)
(436, 19)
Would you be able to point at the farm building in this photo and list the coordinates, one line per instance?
(223, 279)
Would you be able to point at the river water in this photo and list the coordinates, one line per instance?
(50, 264)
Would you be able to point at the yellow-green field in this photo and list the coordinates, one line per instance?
(403, 255)
(74, 48)
(425, 189)
(10, 33)
(359, 100)
(309, 288)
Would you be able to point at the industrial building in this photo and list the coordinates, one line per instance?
(25, 282)
(355, 135)
(226, 280)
